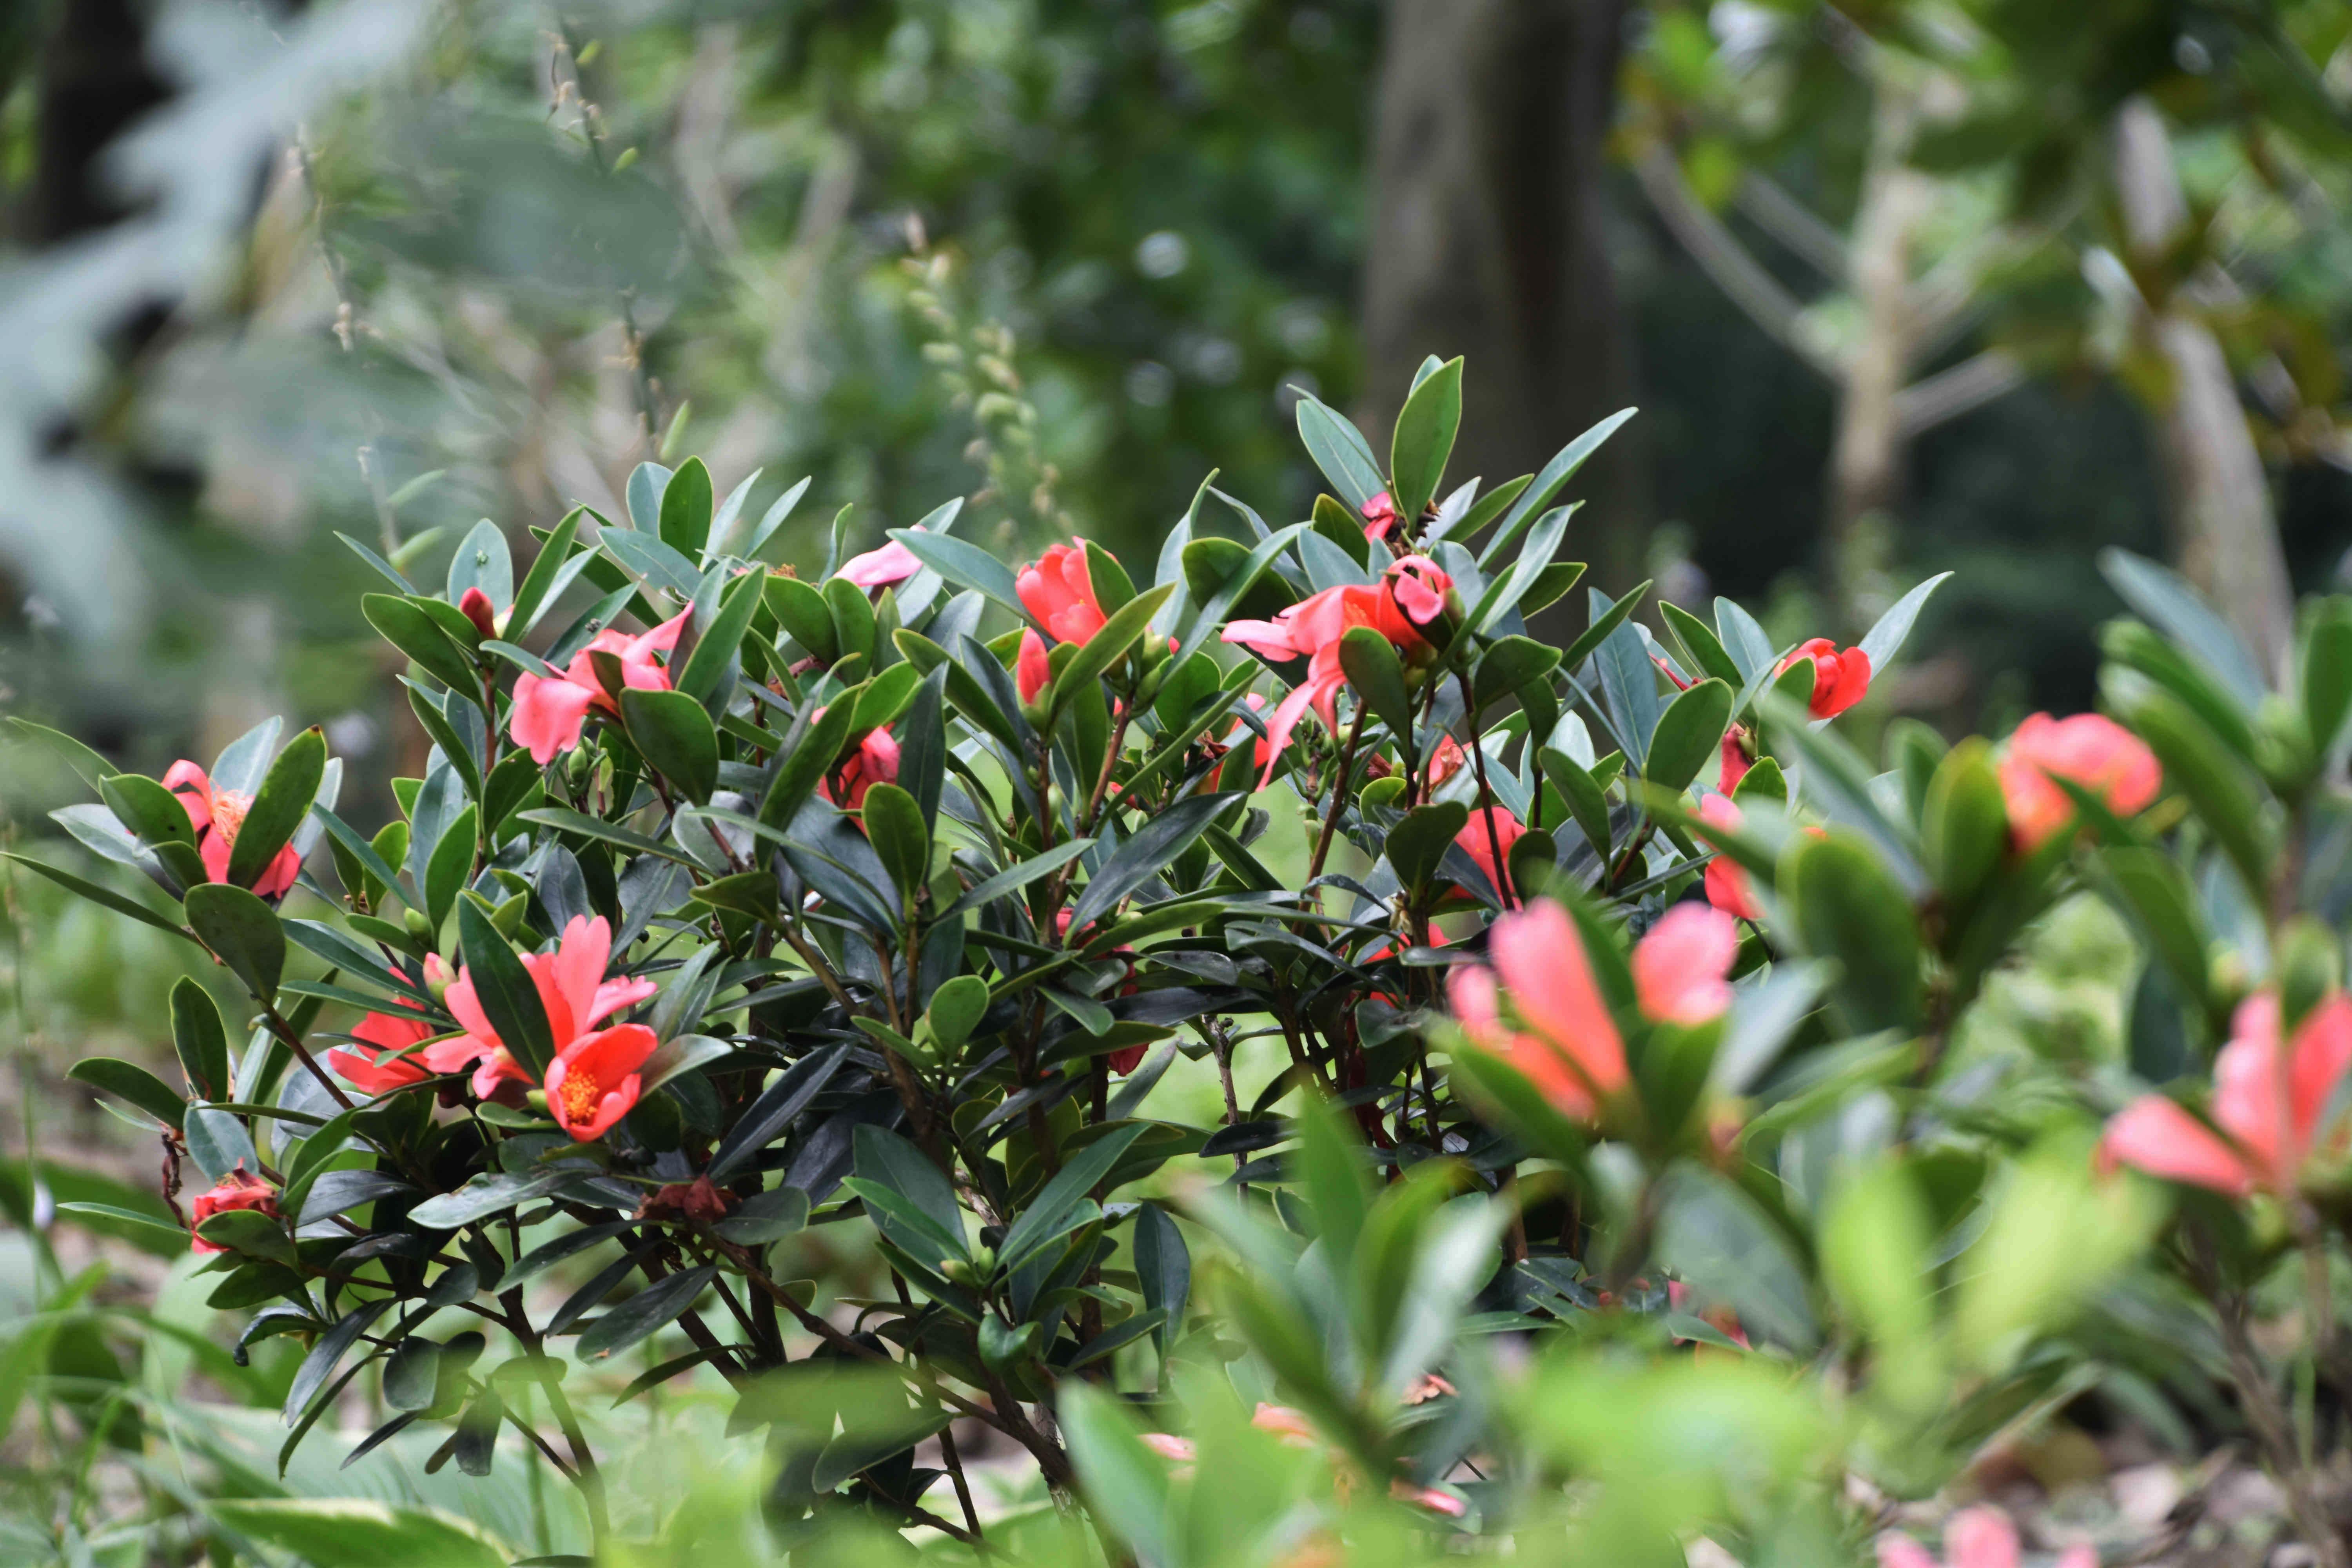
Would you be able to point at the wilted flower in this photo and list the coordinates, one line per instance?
(2088, 750)
(217, 815)
(550, 711)
(1380, 517)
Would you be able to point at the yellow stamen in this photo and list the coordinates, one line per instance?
(580, 1094)
(229, 807)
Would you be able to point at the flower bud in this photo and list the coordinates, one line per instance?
(2308, 968)
(419, 925)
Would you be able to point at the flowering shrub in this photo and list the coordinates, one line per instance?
(1620, 1002)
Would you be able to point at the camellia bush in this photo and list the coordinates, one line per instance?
(1638, 1164)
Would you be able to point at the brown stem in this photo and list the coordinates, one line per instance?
(954, 1462)
(1338, 794)
(285, 1031)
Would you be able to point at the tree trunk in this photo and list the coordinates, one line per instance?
(1487, 241)
(2224, 535)
(1866, 466)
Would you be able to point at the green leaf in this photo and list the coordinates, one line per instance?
(2326, 667)
(1586, 802)
(1147, 854)
(1556, 473)
(674, 736)
(1416, 845)
(853, 617)
(87, 764)
(1340, 450)
(1699, 641)
(352, 1534)
(1331, 1169)
(889, 1163)
(541, 580)
(1964, 826)
(2160, 596)
(248, 1232)
(686, 509)
(1228, 595)
(806, 754)
(417, 634)
(132, 1084)
(1424, 439)
(1849, 908)
(452, 862)
(2153, 891)
(1688, 734)
(1503, 594)
(706, 667)
(1059, 1198)
(771, 1114)
(2227, 797)
(1117, 634)
(1593, 636)
(218, 1142)
(766, 1216)
(147, 809)
(1892, 630)
(509, 998)
(494, 1193)
(1163, 1265)
(802, 611)
(956, 1010)
(963, 564)
(564, 819)
(1373, 669)
(1126, 1483)
(106, 898)
(411, 1373)
(242, 932)
(894, 826)
(658, 1305)
(1015, 877)
(643, 497)
(201, 1040)
(333, 1346)
(1510, 664)
(284, 800)
(482, 562)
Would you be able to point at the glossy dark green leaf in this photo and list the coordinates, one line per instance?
(807, 753)
(285, 799)
(1147, 854)
(1586, 802)
(133, 1085)
(1850, 908)
(1593, 636)
(1373, 669)
(539, 582)
(1070, 1186)
(1110, 643)
(1964, 825)
(1699, 641)
(770, 1115)
(106, 898)
(963, 564)
(482, 561)
(200, 1040)
(504, 988)
(1510, 664)
(409, 628)
(674, 736)
(450, 868)
(2326, 665)
(1340, 450)
(649, 1311)
(705, 670)
(686, 509)
(1546, 484)
(242, 932)
(88, 764)
(333, 1346)
(894, 826)
(1164, 1266)
(1417, 844)
(2222, 789)
(1424, 438)
(1892, 630)
(890, 1161)
(1689, 733)
(802, 611)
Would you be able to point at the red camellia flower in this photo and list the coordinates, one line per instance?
(1726, 879)
(1570, 1049)
(217, 815)
(593, 1081)
(1030, 669)
(476, 608)
(875, 761)
(1839, 679)
(550, 712)
(1411, 594)
(1060, 592)
(2091, 750)
(375, 1070)
(1447, 758)
(240, 1189)
(1679, 967)
(2269, 1101)
(571, 989)
(1481, 845)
